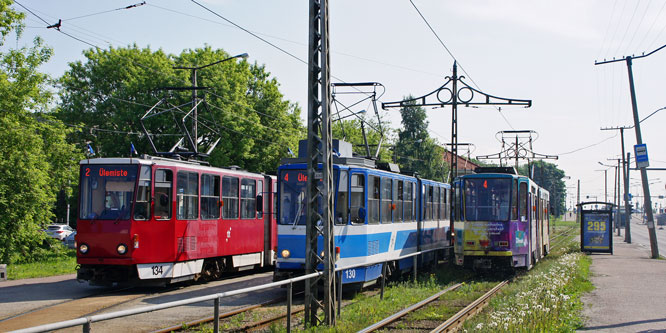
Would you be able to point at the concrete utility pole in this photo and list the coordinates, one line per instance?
(320, 181)
(639, 140)
(627, 207)
(625, 178)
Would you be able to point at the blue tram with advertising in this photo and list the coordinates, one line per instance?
(501, 220)
(379, 215)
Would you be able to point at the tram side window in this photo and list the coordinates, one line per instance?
(435, 204)
(373, 199)
(387, 184)
(399, 196)
(442, 203)
(429, 198)
(523, 202)
(341, 207)
(358, 212)
(229, 197)
(187, 195)
(260, 191)
(210, 197)
(142, 203)
(248, 198)
(163, 183)
(409, 201)
(514, 200)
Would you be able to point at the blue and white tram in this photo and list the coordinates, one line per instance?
(379, 215)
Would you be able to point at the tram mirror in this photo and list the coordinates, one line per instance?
(164, 200)
(260, 203)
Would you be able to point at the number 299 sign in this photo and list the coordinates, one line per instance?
(596, 232)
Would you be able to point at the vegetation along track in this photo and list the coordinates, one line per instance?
(426, 315)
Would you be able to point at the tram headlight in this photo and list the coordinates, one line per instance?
(285, 253)
(83, 248)
(122, 248)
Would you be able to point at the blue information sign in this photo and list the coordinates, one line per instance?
(596, 232)
(641, 156)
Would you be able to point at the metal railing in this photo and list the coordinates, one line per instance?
(87, 321)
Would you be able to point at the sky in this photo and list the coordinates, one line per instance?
(544, 51)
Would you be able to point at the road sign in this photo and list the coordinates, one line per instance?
(641, 154)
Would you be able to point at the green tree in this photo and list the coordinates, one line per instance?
(415, 149)
(550, 177)
(108, 93)
(36, 160)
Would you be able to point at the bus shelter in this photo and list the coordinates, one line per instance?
(596, 226)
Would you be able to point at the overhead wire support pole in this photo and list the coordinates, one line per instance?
(319, 181)
(456, 95)
(625, 180)
(639, 140)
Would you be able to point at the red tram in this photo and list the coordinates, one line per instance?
(161, 221)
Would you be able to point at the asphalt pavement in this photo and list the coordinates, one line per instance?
(630, 287)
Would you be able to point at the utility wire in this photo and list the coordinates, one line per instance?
(590, 146)
(58, 29)
(640, 22)
(251, 33)
(603, 43)
(628, 26)
(107, 11)
(652, 25)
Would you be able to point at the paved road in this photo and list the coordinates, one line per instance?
(17, 297)
(629, 291)
(639, 234)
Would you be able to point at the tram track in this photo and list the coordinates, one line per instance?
(400, 322)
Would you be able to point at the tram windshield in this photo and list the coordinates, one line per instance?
(487, 199)
(106, 191)
(292, 196)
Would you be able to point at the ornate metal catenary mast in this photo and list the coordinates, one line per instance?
(459, 93)
(521, 148)
(320, 181)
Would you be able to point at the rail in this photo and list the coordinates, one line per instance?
(87, 321)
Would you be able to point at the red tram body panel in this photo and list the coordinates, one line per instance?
(163, 220)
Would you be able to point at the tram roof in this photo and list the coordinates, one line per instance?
(152, 160)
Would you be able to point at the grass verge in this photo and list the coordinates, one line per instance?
(547, 299)
(58, 262)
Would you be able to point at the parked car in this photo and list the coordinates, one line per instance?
(69, 241)
(59, 231)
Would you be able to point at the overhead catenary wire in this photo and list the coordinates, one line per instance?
(299, 43)
(107, 11)
(588, 146)
(499, 110)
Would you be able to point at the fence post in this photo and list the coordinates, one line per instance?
(86, 326)
(289, 289)
(415, 264)
(216, 316)
(381, 294)
(339, 293)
